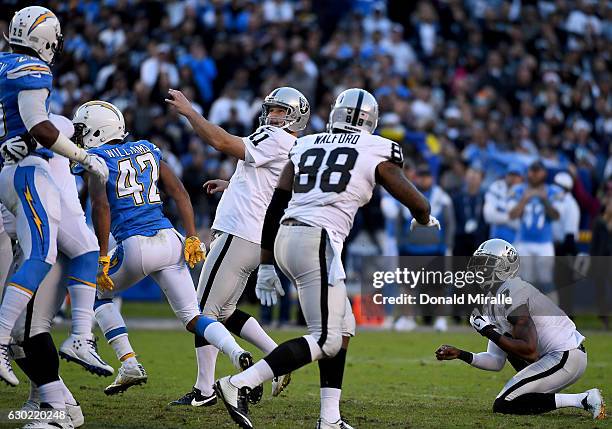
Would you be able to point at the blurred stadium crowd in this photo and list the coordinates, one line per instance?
(471, 89)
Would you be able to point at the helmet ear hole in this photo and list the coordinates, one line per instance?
(97, 133)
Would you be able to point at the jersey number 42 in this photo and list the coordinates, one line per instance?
(128, 184)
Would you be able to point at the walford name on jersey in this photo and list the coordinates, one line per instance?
(337, 138)
(132, 150)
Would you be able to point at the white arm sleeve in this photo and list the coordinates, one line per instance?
(32, 107)
(491, 360)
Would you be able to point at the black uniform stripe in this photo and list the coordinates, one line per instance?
(28, 320)
(357, 108)
(544, 374)
(324, 286)
(215, 268)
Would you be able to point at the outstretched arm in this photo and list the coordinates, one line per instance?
(212, 134)
(392, 178)
(491, 360)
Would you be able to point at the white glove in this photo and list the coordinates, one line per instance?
(480, 322)
(96, 165)
(14, 149)
(268, 285)
(433, 223)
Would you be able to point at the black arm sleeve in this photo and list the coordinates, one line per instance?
(276, 209)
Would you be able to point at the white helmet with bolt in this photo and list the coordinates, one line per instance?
(38, 29)
(97, 123)
(290, 99)
(354, 111)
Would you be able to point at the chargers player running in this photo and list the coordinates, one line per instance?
(27, 188)
(129, 206)
(235, 245)
(332, 175)
(531, 330)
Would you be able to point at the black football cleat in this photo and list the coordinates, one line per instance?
(195, 399)
(255, 394)
(235, 401)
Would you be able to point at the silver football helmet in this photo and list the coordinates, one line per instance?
(497, 260)
(298, 109)
(354, 111)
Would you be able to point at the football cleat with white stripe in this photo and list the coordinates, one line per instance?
(83, 350)
(6, 370)
(235, 400)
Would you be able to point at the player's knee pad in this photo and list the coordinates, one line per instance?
(42, 354)
(331, 344)
(236, 321)
(31, 274)
(83, 269)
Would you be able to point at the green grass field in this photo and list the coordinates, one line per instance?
(391, 381)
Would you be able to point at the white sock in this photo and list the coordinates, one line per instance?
(218, 335)
(122, 347)
(129, 361)
(253, 376)
(330, 404)
(112, 324)
(82, 299)
(52, 393)
(563, 400)
(14, 302)
(34, 396)
(254, 334)
(6, 258)
(207, 358)
(68, 398)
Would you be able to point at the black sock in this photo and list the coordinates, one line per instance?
(43, 360)
(236, 321)
(529, 403)
(200, 341)
(289, 356)
(331, 370)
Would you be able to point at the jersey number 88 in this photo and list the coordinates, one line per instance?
(339, 161)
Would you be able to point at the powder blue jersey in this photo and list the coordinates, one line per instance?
(135, 203)
(535, 226)
(20, 72)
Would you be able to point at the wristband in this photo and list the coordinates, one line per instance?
(466, 357)
(492, 334)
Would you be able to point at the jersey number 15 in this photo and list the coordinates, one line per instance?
(127, 180)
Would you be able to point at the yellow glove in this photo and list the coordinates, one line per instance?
(102, 278)
(194, 251)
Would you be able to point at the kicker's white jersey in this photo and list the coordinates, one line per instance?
(334, 176)
(556, 331)
(243, 205)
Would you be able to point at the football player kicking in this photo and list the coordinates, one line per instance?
(235, 244)
(332, 175)
(129, 206)
(532, 333)
(30, 193)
